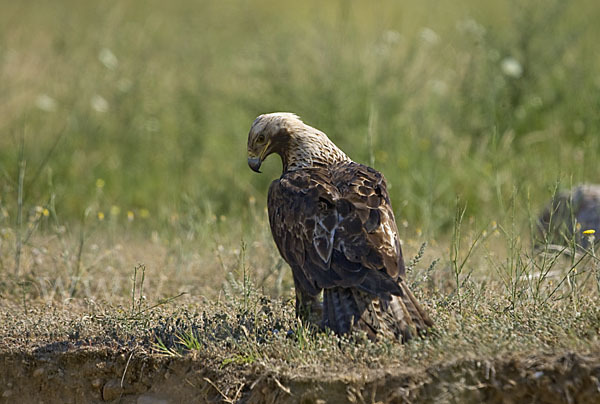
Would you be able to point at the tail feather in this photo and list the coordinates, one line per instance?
(367, 317)
(400, 317)
(342, 310)
(418, 314)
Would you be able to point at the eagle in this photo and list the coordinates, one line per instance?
(333, 223)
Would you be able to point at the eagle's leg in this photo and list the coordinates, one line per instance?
(308, 308)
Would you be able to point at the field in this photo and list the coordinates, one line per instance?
(136, 261)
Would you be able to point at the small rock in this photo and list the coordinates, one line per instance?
(112, 390)
(38, 372)
(7, 393)
(96, 383)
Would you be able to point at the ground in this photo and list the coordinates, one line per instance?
(136, 261)
(241, 345)
(96, 360)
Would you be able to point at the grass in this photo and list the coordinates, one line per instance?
(128, 215)
(243, 333)
(413, 93)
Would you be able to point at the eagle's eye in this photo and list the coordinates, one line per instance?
(260, 139)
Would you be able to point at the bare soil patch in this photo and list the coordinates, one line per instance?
(69, 374)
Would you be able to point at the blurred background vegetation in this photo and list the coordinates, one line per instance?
(139, 110)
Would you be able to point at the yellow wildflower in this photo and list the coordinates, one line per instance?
(100, 183)
(100, 215)
(589, 231)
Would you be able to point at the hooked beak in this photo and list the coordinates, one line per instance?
(254, 163)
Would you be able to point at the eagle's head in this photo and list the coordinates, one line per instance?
(298, 144)
(270, 133)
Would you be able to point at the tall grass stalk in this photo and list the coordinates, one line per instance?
(138, 268)
(371, 130)
(457, 261)
(18, 230)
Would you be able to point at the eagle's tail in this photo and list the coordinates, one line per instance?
(400, 317)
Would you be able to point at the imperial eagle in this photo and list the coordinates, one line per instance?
(333, 223)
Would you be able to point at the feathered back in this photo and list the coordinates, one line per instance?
(335, 227)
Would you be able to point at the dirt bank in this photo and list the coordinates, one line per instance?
(60, 373)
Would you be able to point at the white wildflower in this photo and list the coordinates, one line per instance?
(511, 67)
(392, 37)
(470, 26)
(430, 36)
(99, 103)
(45, 103)
(108, 59)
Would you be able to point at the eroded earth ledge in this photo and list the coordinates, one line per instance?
(63, 373)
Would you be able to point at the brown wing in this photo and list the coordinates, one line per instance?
(335, 228)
